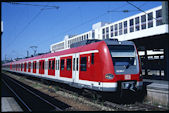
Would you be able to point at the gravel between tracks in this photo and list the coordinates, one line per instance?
(77, 103)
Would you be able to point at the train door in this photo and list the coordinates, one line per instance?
(75, 69)
(25, 67)
(34, 66)
(41, 67)
(16, 67)
(21, 66)
(51, 66)
(29, 66)
(66, 67)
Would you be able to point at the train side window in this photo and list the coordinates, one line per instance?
(49, 64)
(92, 58)
(83, 64)
(29, 65)
(43, 65)
(53, 64)
(69, 63)
(56, 64)
(62, 64)
(21, 66)
(39, 65)
(32, 67)
(73, 64)
(35, 65)
(77, 64)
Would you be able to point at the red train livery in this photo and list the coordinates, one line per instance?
(101, 65)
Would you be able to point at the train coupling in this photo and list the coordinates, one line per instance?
(129, 86)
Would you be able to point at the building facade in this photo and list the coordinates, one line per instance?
(146, 23)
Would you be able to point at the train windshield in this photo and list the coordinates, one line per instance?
(123, 57)
(121, 48)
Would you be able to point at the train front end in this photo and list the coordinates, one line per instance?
(125, 66)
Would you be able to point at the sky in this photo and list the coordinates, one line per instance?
(30, 25)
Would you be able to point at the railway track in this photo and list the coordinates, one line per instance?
(113, 105)
(134, 107)
(31, 99)
(137, 106)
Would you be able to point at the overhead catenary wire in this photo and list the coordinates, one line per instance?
(139, 9)
(27, 25)
(84, 23)
(17, 3)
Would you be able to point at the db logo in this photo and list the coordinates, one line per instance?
(127, 77)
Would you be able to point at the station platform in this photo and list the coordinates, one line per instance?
(8, 102)
(156, 84)
(157, 91)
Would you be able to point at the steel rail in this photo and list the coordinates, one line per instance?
(17, 96)
(56, 108)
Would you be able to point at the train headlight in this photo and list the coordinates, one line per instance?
(109, 76)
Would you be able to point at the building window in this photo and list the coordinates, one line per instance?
(137, 24)
(103, 32)
(83, 64)
(150, 20)
(87, 36)
(103, 36)
(143, 22)
(68, 43)
(84, 37)
(107, 33)
(131, 25)
(111, 28)
(125, 27)
(120, 28)
(158, 17)
(93, 34)
(116, 31)
(62, 64)
(69, 63)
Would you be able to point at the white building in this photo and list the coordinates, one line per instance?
(140, 25)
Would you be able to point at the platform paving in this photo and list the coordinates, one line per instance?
(8, 104)
(157, 91)
(157, 84)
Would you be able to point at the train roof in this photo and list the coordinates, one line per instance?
(78, 47)
(107, 41)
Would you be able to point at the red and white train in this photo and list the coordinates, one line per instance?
(101, 65)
